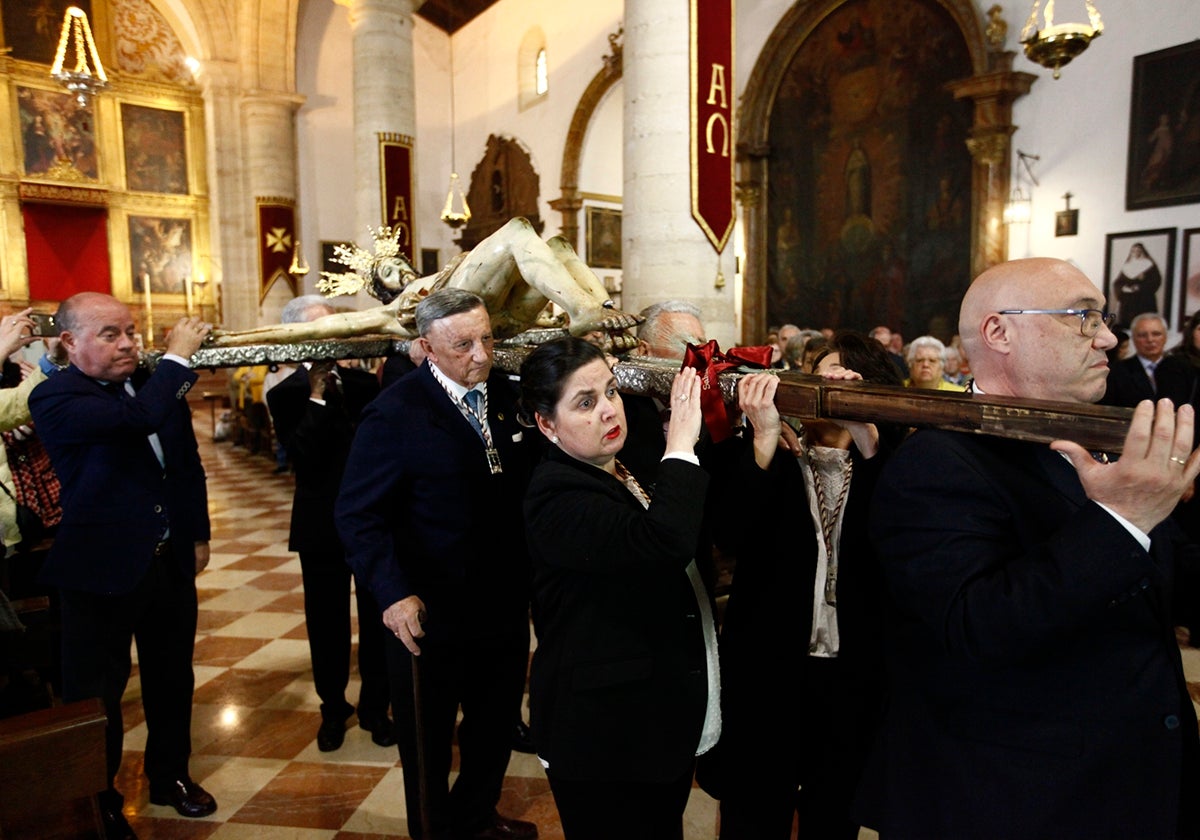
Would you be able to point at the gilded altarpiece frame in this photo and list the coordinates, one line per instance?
(118, 147)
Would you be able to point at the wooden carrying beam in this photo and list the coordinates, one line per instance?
(800, 395)
(1097, 427)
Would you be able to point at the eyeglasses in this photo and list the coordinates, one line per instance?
(1090, 320)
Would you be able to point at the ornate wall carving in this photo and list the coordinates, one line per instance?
(504, 184)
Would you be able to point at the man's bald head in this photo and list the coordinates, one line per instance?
(1043, 356)
(1017, 284)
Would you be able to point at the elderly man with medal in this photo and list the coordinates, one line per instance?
(432, 487)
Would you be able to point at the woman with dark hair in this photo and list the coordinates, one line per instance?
(803, 626)
(624, 690)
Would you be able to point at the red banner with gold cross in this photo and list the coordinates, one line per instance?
(276, 243)
(396, 184)
(712, 97)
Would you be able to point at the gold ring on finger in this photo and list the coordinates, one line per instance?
(1179, 461)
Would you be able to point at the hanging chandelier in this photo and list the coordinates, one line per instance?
(456, 212)
(456, 218)
(1054, 45)
(84, 80)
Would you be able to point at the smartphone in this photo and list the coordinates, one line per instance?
(43, 324)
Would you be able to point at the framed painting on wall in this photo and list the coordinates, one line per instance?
(1164, 129)
(32, 29)
(160, 250)
(1137, 273)
(57, 136)
(603, 237)
(1189, 300)
(155, 143)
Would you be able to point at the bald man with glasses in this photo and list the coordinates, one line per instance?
(1037, 685)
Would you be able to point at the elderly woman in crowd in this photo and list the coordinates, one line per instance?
(953, 369)
(803, 626)
(926, 363)
(624, 690)
(15, 332)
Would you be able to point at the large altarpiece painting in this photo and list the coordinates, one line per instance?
(869, 198)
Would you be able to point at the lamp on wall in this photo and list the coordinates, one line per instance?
(84, 80)
(1018, 210)
(456, 212)
(1054, 45)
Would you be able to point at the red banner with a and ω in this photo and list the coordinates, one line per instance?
(396, 181)
(712, 137)
(276, 243)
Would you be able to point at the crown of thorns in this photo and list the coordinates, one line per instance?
(362, 263)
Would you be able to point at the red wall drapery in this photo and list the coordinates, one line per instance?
(67, 249)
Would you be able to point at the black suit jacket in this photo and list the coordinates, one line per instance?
(317, 438)
(618, 683)
(395, 368)
(420, 513)
(1037, 689)
(1128, 384)
(118, 501)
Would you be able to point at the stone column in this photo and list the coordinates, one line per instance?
(384, 95)
(665, 253)
(231, 268)
(270, 121)
(990, 145)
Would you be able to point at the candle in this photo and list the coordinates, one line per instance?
(187, 290)
(149, 338)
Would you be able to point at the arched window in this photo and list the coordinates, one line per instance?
(542, 83)
(533, 75)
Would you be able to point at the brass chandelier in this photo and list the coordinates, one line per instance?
(84, 80)
(1055, 44)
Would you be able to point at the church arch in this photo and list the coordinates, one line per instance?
(570, 201)
(762, 177)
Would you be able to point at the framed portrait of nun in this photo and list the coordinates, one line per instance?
(1189, 297)
(1138, 269)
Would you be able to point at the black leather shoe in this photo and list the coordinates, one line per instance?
(116, 827)
(523, 739)
(186, 797)
(503, 828)
(331, 734)
(382, 734)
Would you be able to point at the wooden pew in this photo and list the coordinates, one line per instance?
(51, 767)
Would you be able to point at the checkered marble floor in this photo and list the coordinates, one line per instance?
(256, 711)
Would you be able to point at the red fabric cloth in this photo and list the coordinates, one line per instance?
(712, 92)
(276, 244)
(708, 361)
(67, 250)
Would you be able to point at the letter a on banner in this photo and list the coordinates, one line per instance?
(712, 99)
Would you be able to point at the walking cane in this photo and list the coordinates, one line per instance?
(423, 805)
